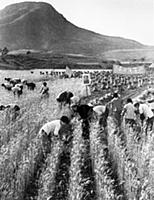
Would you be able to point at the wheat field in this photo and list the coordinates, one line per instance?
(109, 164)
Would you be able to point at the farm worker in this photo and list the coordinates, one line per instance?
(85, 111)
(17, 91)
(44, 90)
(12, 112)
(116, 108)
(102, 113)
(64, 98)
(145, 114)
(52, 128)
(60, 128)
(129, 112)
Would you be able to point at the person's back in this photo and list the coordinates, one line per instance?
(117, 104)
(146, 110)
(58, 127)
(83, 110)
(102, 111)
(146, 114)
(116, 108)
(51, 127)
(130, 111)
(62, 96)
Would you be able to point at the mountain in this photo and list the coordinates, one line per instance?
(37, 25)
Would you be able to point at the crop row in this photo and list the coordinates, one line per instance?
(12, 155)
(75, 187)
(106, 184)
(132, 157)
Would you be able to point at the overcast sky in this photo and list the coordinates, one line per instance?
(133, 19)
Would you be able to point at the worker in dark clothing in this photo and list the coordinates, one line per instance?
(84, 111)
(116, 108)
(64, 98)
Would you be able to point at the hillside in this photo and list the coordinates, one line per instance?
(130, 54)
(37, 25)
(37, 60)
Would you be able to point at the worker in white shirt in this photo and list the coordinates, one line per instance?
(52, 128)
(101, 112)
(129, 113)
(146, 114)
(60, 128)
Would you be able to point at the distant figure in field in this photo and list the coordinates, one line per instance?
(44, 90)
(14, 81)
(17, 91)
(7, 86)
(31, 85)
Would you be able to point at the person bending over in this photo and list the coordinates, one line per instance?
(57, 128)
(64, 98)
(84, 111)
(102, 113)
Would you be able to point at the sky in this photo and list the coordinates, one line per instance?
(132, 19)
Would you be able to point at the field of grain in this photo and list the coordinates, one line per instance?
(96, 164)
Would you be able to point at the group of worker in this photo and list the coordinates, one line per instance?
(72, 106)
(133, 113)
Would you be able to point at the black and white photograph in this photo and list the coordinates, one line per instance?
(76, 99)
